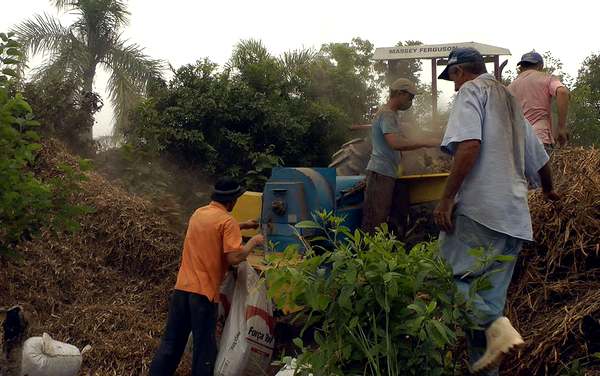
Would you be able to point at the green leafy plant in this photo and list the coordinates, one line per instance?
(584, 119)
(263, 163)
(375, 307)
(577, 367)
(26, 202)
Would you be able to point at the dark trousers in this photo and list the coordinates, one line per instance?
(386, 201)
(187, 312)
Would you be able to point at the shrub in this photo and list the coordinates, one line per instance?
(375, 307)
(26, 202)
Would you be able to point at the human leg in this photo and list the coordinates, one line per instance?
(485, 348)
(399, 210)
(204, 322)
(378, 201)
(175, 336)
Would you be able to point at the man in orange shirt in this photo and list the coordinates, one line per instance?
(213, 242)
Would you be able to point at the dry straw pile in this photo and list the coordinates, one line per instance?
(554, 298)
(108, 285)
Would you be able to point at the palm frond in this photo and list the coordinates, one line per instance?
(131, 72)
(131, 60)
(102, 16)
(249, 51)
(296, 65)
(298, 58)
(62, 5)
(66, 61)
(124, 95)
(42, 33)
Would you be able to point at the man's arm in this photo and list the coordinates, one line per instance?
(234, 258)
(251, 224)
(466, 154)
(547, 185)
(401, 143)
(562, 105)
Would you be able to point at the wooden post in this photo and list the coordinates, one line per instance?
(497, 67)
(434, 89)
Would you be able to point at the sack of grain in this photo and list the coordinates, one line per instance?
(247, 341)
(43, 356)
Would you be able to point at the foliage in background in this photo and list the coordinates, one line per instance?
(376, 308)
(584, 112)
(94, 40)
(263, 163)
(27, 203)
(260, 110)
(343, 75)
(63, 109)
(554, 66)
(219, 119)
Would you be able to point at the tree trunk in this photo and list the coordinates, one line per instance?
(85, 142)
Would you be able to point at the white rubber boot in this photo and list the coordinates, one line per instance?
(501, 339)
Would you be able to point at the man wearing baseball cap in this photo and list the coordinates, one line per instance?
(212, 243)
(534, 89)
(484, 205)
(386, 199)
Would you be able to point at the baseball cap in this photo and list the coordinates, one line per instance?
(531, 57)
(461, 55)
(403, 84)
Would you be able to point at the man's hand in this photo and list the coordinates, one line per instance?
(255, 241)
(433, 142)
(443, 214)
(552, 196)
(563, 136)
(465, 157)
(249, 225)
(234, 258)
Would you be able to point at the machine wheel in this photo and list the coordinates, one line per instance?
(352, 158)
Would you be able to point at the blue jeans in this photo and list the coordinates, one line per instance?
(489, 304)
(187, 312)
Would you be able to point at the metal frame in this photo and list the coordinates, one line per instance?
(438, 54)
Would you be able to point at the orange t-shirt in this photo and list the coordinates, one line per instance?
(211, 233)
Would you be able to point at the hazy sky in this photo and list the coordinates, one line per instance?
(183, 31)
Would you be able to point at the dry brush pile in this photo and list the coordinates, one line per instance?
(555, 295)
(107, 285)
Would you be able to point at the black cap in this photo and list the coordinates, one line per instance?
(227, 189)
(459, 56)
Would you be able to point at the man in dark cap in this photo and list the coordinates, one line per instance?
(484, 205)
(534, 89)
(213, 242)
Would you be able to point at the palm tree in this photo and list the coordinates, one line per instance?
(93, 41)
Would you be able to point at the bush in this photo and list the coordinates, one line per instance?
(63, 109)
(216, 120)
(26, 202)
(585, 103)
(376, 307)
